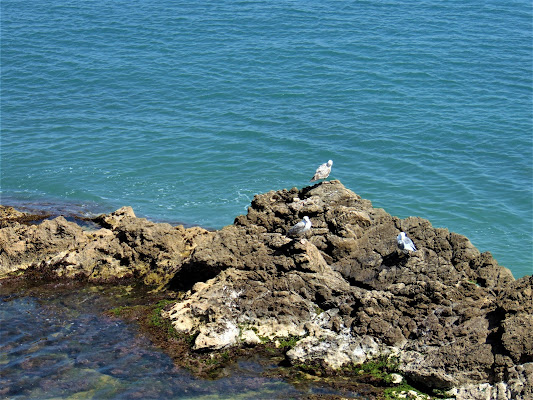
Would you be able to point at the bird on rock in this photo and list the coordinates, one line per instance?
(300, 228)
(404, 242)
(322, 172)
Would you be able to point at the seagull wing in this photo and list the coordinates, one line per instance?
(297, 228)
(321, 172)
(408, 244)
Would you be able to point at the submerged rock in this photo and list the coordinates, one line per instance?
(452, 316)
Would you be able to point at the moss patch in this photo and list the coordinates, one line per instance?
(380, 368)
(404, 391)
(287, 343)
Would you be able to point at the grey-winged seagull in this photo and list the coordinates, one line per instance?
(322, 172)
(404, 242)
(300, 228)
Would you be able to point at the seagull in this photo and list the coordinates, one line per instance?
(322, 172)
(300, 228)
(404, 242)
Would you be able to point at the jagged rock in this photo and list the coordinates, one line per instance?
(333, 349)
(272, 299)
(112, 220)
(22, 245)
(518, 386)
(126, 247)
(10, 216)
(514, 317)
(452, 315)
(437, 305)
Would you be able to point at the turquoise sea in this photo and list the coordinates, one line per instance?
(186, 109)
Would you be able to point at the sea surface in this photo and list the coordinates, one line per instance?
(185, 110)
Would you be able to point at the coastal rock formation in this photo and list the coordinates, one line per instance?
(452, 317)
(23, 245)
(123, 248)
(350, 294)
(8, 216)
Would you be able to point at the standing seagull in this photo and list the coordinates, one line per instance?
(322, 172)
(404, 242)
(300, 228)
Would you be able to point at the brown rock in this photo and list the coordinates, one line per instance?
(21, 245)
(128, 247)
(455, 317)
(10, 216)
(438, 304)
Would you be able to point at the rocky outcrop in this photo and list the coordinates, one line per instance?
(453, 318)
(22, 245)
(123, 248)
(350, 294)
(9, 215)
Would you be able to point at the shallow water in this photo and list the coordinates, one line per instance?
(59, 344)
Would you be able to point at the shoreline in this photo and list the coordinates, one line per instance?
(135, 307)
(75, 212)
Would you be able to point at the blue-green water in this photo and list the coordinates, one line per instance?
(186, 109)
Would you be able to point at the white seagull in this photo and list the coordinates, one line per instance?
(300, 228)
(404, 242)
(322, 172)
